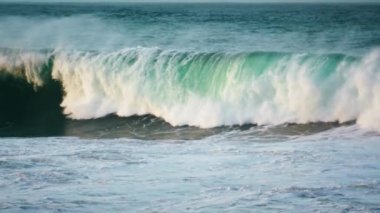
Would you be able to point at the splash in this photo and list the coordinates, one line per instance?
(213, 89)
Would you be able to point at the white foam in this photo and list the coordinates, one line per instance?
(26, 65)
(145, 81)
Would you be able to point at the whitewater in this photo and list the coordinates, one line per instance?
(173, 107)
(233, 89)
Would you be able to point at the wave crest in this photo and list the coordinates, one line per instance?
(214, 89)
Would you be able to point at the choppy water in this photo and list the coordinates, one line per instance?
(333, 171)
(189, 107)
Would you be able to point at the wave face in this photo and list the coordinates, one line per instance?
(208, 89)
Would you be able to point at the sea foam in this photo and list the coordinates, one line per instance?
(213, 89)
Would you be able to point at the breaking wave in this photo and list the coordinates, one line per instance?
(204, 89)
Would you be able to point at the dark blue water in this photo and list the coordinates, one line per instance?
(339, 28)
(189, 107)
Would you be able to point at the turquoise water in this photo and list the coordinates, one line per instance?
(189, 107)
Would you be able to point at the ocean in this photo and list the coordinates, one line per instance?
(189, 107)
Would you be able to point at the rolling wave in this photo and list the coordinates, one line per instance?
(204, 89)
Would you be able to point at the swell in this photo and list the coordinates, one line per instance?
(197, 88)
(28, 94)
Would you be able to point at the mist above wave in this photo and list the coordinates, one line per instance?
(73, 27)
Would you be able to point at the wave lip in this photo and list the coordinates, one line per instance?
(215, 89)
